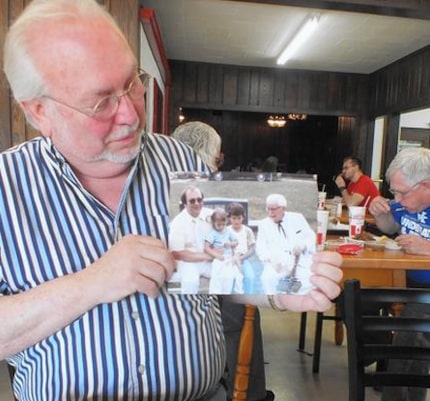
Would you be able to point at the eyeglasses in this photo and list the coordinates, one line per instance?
(107, 106)
(273, 208)
(195, 200)
(400, 194)
(346, 167)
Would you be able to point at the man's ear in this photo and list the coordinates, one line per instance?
(426, 183)
(36, 113)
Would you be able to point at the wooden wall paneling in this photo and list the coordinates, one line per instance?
(402, 85)
(322, 92)
(254, 85)
(190, 83)
(305, 91)
(392, 132)
(279, 90)
(292, 91)
(244, 86)
(352, 89)
(230, 87)
(425, 72)
(344, 138)
(126, 13)
(216, 87)
(5, 102)
(203, 84)
(266, 88)
(332, 91)
(342, 88)
(176, 96)
(271, 90)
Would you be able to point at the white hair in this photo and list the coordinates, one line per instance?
(202, 138)
(25, 80)
(413, 163)
(276, 200)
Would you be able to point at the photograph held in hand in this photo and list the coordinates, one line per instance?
(241, 235)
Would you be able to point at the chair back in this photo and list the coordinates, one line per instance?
(360, 348)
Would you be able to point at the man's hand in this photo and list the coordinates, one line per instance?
(414, 244)
(326, 277)
(340, 181)
(379, 206)
(134, 264)
(381, 210)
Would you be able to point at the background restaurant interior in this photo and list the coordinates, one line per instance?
(363, 88)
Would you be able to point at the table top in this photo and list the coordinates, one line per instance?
(386, 259)
(382, 258)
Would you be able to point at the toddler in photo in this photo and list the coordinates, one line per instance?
(220, 244)
(244, 254)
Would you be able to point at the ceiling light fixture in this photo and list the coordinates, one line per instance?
(296, 116)
(181, 116)
(276, 121)
(299, 38)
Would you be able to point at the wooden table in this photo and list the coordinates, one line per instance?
(378, 268)
(382, 268)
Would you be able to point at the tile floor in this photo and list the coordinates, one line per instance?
(289, 373)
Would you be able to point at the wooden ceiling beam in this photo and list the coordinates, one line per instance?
(418, 9)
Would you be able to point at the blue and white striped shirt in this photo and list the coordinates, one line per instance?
(168, 348)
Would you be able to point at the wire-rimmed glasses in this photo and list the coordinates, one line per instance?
(400, 194)
(107, 106)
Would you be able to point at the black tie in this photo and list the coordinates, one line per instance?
(281, 229)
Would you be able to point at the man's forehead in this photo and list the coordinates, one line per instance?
(273, 205)
(193, 191)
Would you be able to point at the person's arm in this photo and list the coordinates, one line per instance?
(414, 244)
(134, 264)
(326, 278)
(249, 252)
(192, 256)
(262, 243)
(350, 199)
(384, 220)
(213, 253)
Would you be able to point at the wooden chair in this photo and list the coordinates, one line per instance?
(244, 355)
(361, 352)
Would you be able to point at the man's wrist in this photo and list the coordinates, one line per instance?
(341, 188)
(274, 305)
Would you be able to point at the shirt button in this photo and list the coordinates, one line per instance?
(141, 369)
(135, 315)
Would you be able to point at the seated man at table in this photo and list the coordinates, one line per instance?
(409, 215)
(360, 189)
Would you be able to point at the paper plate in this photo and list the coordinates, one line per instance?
(392, 245)
(376, 244)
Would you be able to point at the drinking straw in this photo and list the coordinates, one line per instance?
(367, 201)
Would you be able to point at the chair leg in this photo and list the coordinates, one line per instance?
(317, 343)
(302, 335)
(243, 365)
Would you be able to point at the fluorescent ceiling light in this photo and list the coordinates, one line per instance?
(299, 38)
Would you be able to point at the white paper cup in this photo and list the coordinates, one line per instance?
(322, 223)
(322, 196)
(356, 216)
